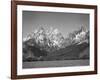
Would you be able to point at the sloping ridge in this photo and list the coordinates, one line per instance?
(71, 52)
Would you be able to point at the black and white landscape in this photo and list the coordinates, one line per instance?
(50, 47)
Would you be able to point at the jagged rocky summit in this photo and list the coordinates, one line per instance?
(45, 38)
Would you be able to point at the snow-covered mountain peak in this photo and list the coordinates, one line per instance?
(52, 38)
(81, 36)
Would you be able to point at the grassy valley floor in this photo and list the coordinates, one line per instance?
(63, 63)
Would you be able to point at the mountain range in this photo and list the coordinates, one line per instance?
(49, 44)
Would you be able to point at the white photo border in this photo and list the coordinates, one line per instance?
(21, 71)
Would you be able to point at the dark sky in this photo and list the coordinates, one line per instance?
(64, 22)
